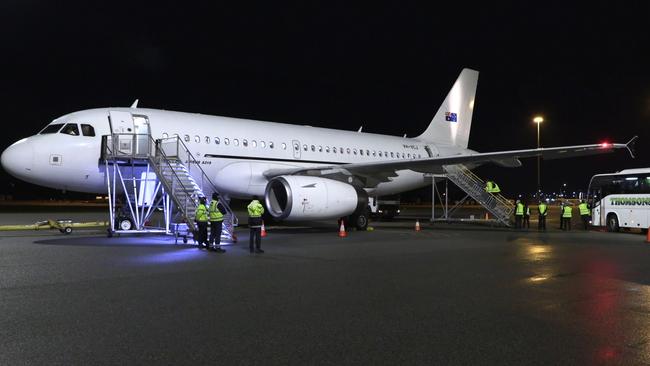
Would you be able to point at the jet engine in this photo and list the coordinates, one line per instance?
(295, 197)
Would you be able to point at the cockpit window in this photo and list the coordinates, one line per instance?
(87, 130)
(51, 128)
(71, 129)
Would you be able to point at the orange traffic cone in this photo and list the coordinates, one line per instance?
(342, 232)
(417, 225)
(263, 234)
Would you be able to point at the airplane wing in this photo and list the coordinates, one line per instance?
(370, 174)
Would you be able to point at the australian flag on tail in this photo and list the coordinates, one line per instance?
(451, 117)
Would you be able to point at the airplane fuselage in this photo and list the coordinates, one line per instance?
(235, 153)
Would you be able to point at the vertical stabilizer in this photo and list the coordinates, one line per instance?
(452, 122)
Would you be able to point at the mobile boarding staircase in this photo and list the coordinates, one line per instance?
(144, 175)
(474, 187)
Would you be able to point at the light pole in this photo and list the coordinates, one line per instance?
(538, 120)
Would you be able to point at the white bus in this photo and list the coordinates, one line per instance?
(620, 199)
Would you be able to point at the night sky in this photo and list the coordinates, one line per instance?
(386, 67)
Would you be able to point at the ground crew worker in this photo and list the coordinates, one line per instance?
(562, 204)
(519, 214)
(492, 187)
(216, 220)
(566, 216)
(201, 218)
(526, 223)
(255, 211)
(541, 221)
(584, 213)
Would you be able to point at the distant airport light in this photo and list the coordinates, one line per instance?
(538, 119)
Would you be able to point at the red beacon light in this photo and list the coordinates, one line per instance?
(605, 144)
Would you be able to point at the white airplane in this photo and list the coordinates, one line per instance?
(303, 172)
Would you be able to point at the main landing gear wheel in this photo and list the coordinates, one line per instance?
(360, 220)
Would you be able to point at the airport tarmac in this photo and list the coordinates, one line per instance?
(449, 294)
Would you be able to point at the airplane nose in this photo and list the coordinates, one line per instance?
(18, 159)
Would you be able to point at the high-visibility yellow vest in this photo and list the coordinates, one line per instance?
(201, 213)
(584, 209)
(566, 212)
(520, 209)
(213, 211)
(542, 209)
(492, 187)
(255, 209)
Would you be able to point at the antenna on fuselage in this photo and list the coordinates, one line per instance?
(404, 136)
(135, 104)
(360, 128)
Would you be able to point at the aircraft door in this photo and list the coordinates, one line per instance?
(296, 149)
(141, 130)
(122, 127)
(431, 151)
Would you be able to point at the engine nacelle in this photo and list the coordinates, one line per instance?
(295, 197)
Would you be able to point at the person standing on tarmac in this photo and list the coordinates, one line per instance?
(526, 223)
(566, 216)
(201, 218)
(255, 211)
(585, 215)
(216, 220)
(562, 204)
(543, 210)
(519, 214)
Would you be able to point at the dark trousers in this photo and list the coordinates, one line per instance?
(541, 222)
(518, 219)
(256, 237)
(561, 221)
(566, 223)
(585, 220)
(215, 233)
(202, 235)
(526, 223)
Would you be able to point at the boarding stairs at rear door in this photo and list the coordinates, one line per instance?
(474, 186)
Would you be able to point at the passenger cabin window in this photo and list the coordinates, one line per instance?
(226, 141)
(304, 147)
(207, 139)
(87, 130)
(244, 142)
(71, 129)
(271, 144)
(235, 142)
(186, 138)
(217, 141)
(254, 143)
(51, 128)
(313, 148)
(197, 138)
(262, 144)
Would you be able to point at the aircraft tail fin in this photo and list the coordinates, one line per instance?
(453, 121)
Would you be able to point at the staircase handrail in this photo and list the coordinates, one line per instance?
(190, 162)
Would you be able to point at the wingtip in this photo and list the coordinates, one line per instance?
(630, 145)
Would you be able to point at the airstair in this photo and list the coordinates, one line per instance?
(474, 186)
(153, 175)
